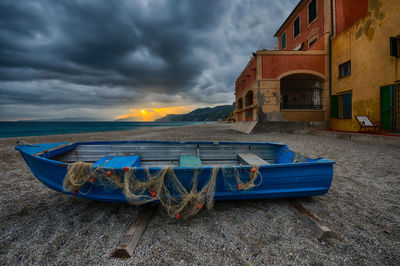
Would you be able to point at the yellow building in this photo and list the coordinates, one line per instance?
(366, 65)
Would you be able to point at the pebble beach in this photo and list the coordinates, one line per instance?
(40, 226)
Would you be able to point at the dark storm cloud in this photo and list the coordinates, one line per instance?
(78, 54)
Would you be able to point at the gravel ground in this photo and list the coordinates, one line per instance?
(40, 226)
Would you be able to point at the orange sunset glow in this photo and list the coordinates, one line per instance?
(150, 114)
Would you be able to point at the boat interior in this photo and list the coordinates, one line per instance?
(172, 154)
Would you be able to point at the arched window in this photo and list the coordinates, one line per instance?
(240, 103)
(249, 98)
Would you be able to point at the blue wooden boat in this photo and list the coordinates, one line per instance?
(281, 173)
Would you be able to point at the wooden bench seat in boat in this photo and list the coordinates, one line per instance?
(189, 161)
(251, 158)
(118, 162)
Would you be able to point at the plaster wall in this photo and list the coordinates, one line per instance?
(268, 97)
(274, 65)
(247, 77)
(304, 115)
(348, 12)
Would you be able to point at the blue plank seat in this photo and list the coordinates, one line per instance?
(189, 161)
(118, 162)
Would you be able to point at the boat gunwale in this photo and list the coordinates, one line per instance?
(65, 148)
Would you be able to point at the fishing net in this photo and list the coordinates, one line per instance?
(182, 197)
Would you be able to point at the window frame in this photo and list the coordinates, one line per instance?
(294, 28)
(343, 74)
(308, 12)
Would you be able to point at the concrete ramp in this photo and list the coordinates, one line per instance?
(244, 127)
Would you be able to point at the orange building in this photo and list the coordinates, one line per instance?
(291, 83)
(334, 59)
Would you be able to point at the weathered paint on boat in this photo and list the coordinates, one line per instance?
(283, 177)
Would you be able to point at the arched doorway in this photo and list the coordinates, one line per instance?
(301, 92)
(240, 103)
(248, 101)
(249, 98)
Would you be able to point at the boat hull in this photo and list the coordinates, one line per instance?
(278, 180)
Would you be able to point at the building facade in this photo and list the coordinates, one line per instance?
(366, 64)
(335, 59)
(291, 83)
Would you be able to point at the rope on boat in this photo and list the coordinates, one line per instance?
(163, 186)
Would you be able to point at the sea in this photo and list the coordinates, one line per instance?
(22, 129)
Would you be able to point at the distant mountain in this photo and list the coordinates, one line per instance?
(65, 119)
(201, 114)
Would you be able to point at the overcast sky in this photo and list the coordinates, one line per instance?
(110, 59)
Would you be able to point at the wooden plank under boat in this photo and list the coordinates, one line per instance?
(282, 173)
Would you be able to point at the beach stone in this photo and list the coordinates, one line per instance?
(40, 226)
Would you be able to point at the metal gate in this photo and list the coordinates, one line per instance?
(301, 98)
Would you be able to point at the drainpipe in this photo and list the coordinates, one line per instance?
(330, 51)
(330, 60)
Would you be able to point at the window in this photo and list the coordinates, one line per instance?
(312, 11)
(395, 46)
(345, 69)
(341, 106)
(283, 41)
(296, 27)
(311, 43)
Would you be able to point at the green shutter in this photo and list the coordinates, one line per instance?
(335, 106)
(346, 106)
(387, 107)
(283, 41)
